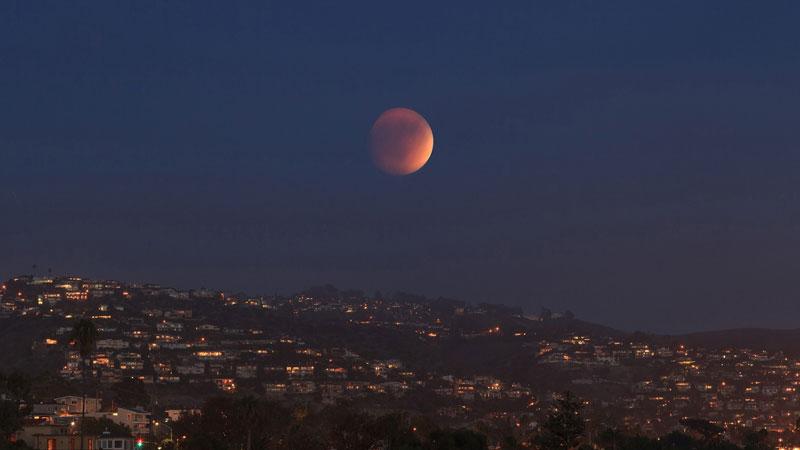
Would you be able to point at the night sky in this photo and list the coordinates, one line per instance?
(635, 162)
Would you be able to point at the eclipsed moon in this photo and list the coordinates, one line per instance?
(400, 141)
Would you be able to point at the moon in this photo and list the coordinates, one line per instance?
(400, 141)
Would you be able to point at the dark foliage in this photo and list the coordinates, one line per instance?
(14, 392)
(564, 426)
(229, 423)
(96, 427)
(457, 439)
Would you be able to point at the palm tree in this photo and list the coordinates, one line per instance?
(84, 336)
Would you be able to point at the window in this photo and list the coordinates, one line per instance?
(90, 444)
(51, 444)
(118, 443)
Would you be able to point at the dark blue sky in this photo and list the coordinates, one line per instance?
(635, 162)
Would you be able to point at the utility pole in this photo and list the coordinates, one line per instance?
(83, 415)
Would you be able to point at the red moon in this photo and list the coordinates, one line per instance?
(400, 141)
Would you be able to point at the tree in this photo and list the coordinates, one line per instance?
(610, 438)
(677, 440)
(131, 392)
(397, 432)
(564, 426)
(191, 427)
(265, 421)
(756, 440)
(19, 445)
(510, 433)
(10, 419)
(84, 337)
(303, 436)
(248, 412)
(15, 389)
(16, 386)
(230, 423)
(95, 427)
(704, 428)
(350, 429)
(461, 439)
(613, 439)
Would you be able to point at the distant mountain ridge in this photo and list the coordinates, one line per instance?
(787, 340)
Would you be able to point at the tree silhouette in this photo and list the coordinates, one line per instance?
(15, 390)
(461, 439)
(84, 336)
(564, 426)
(756, 440)
(351, 429)
(704, 428)
(95, 427)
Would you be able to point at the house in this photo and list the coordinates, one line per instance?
(130, 361)
(74, 404)
(246, 371)
(394, 387)
(226, 384)
(136, 419)
(303, 387)
(46, 409)
(339, 373)
(165, 326)
(113, 344)
(192, 369)
(331, 392)
(108, 441)
(177, 414)
(274, 389)
(53, 437)
(299, 371)
(178, 314)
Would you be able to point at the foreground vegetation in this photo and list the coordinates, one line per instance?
(248, 423)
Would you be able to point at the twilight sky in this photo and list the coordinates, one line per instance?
(635, 162)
